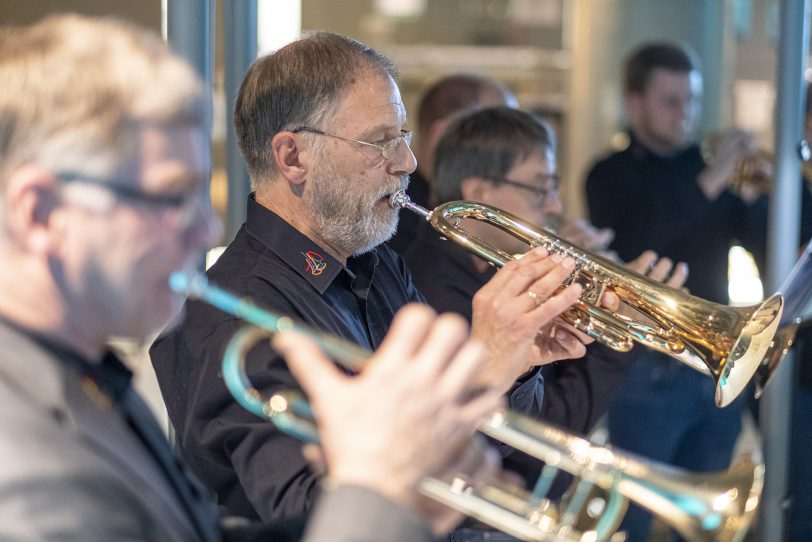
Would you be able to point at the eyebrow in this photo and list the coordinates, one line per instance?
(386, 127)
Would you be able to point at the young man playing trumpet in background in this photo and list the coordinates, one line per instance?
(660, 194)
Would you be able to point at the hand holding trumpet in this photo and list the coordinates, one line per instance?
(410, 414)
(734, 162)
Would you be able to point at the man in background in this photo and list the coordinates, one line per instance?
(445, 97)
(661, 194)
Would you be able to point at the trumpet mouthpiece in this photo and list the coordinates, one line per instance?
(399, 199)
(190, 284)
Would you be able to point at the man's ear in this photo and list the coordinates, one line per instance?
(474, 189)
(31, 209)
(287, 155)
(633, 102)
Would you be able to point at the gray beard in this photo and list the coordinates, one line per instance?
(348, 220)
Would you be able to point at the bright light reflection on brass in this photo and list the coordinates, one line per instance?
(277, 403)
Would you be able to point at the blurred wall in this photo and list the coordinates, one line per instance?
(144, 12)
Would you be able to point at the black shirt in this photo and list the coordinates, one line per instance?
(256, 470)
(654, 202)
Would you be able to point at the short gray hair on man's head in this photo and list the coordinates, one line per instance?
(486, 143)
(298, 85)
(74, 90)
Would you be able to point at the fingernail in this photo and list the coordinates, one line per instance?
(557, 258)
(569, 263)
(561, 336)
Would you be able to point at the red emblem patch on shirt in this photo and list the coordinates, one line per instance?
(315, 263)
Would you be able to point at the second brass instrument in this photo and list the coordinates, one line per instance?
(797, 290)
(727, 343)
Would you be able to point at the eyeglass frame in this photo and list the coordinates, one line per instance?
(394, 143)
(176, 202)
(541, 193)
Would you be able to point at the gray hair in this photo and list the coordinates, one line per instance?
(486, 143)
(75, 88)
(298, 85)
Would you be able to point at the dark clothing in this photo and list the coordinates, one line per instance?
(655, 203)
(255, 470)
(665, 410)
(576, 392)
(419, 192)
(800, 470)
(110, 381)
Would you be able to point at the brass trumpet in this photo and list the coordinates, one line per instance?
(702, 507)
(724, 342)
(749, 172)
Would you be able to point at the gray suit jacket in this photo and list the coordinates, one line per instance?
(72, 469)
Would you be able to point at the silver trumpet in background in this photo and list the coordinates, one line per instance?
(727, 343)
(702, 507)
(797, 290)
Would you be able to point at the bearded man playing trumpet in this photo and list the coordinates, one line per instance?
(322, 128)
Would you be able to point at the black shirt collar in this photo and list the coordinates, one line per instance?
(299, 252)
(110, 375)
(640, 152)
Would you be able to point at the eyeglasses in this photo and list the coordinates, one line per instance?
(552, 181)
(387, 150)
(186, 205)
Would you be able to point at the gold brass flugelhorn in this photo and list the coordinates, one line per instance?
(702, 507)
(724, 342)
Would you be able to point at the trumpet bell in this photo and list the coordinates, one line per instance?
(702, 507)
